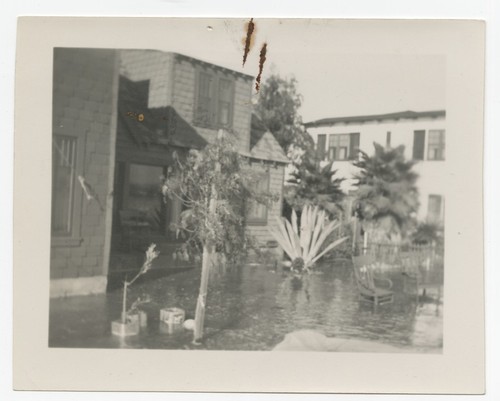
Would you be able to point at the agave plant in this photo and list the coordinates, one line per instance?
(302, 243)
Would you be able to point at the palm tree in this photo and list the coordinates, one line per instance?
(387, 197)
(315, 185)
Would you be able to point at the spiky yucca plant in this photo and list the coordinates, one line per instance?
(303, 242)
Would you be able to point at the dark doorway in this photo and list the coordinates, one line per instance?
(141, 216)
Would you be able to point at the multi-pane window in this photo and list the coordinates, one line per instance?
(215, 100)
(257, 212)
(340, 146)
(204, 112)
(64, 154)
(321, 146)
(434, 209)
(225, 102)
(436, 145)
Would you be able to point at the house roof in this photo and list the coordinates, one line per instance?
(192, 60)
(263, 144)
(146, 126)
(257, 130)
(408, 114)
(226, 70)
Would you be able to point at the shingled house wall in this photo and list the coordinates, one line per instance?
(276, 178)
(173, 82)
(84, 106)
(184, 99)
(152, 65)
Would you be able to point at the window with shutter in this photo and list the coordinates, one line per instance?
(418, 145)
(225, 106)
(436, 145)
(321, 146)
(67, 160)
(204, 113)
(434, 209)
(257, 212)
(354, 145)
(338, 146)
(215, 100)
(343, 146)
(63, 182)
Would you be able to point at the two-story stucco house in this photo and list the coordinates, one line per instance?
(119, 117)
(422, 133)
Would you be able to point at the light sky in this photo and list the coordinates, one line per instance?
(340, 71)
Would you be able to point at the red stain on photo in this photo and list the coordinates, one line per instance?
(248, 39)
(262, 60)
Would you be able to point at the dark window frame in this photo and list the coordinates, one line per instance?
(258, 220)
(334, 151)
(437, 216)
(350, 151)
(122, 198)
(214, 99)
(321, 150)
(436, 150)
(72, 237)
(418, 149)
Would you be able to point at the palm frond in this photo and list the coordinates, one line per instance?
(294, 222)
(305, 241)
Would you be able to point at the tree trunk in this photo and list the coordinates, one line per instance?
(208, 254)
(124, 302)
(199, 319)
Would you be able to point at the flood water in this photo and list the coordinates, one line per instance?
(252, 308)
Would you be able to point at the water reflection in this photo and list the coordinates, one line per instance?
(253, 307)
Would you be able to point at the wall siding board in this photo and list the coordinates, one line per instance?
(261, 232)
(83, 99)
(83, 93)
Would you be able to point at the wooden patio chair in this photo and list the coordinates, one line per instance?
(366, 282)
(410, 265)
(418, 277)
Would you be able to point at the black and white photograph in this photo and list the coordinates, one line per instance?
(194, 206)
(256, 189)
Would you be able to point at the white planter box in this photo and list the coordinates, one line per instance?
(172, 315)
(130, 328)
(166, 328)
(135, 322)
